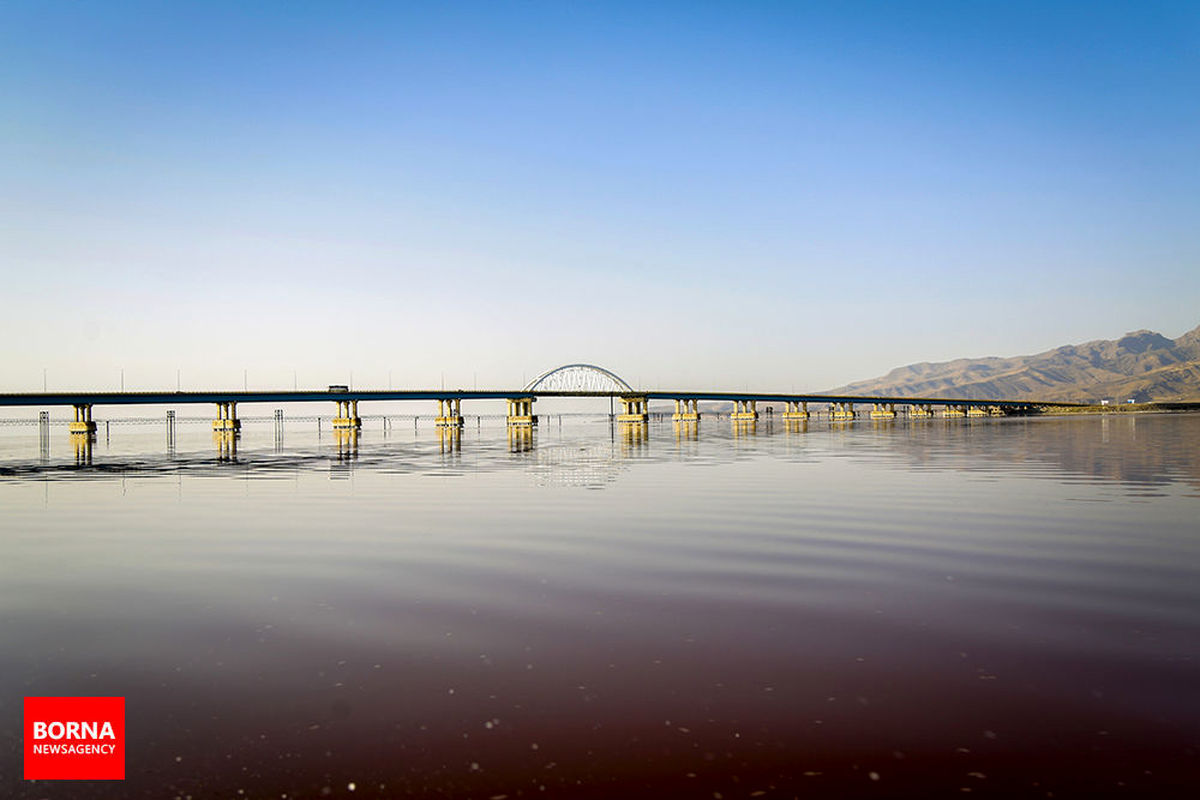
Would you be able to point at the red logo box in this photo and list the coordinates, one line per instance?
(75, 738)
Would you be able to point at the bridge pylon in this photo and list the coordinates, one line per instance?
(634, 410)
(83, 423)
(450, 413)
(842, 412)
(744, 411)
(520, 412)
(883, 411)
(686, 411)
(347, 418)
(227, 418)
(796, 411)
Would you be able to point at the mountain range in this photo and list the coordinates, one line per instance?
(1143, 366)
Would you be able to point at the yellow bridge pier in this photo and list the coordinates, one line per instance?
(347, 418)
(883, 411)
(450, 413)
(686, 411)
(920, 410)
(520, 412)
(634, 410)
(744, 411)
(83, 423)
(842, 412)
(954, 411)
(797, 411)
(227, 418)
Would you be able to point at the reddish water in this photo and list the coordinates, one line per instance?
(1009, 608)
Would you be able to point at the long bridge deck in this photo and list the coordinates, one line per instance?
(572, 380)
(32, 399)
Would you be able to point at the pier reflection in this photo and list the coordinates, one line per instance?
(687, 430)
(82, 444)
(520, 438)
(347, 443)
(745, 427)
(227, 445)
(635, 437)
(450, 439)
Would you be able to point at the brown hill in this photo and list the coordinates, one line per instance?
(1142, 366)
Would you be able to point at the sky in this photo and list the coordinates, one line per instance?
(773, 196)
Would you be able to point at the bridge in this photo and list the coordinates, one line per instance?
(571, 380)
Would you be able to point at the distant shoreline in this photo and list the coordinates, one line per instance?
(1126, 408)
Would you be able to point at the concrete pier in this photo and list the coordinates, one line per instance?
(347, 417)
(883, 411)
(954, 411)
(450, 413)
(520, 412)
(83, 423)
(795, 411)
(634, 410)
(227, 419)
(842, 412)
(920, 411)
(744, 411)
(686, 411)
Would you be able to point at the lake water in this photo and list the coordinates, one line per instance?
(1005, 607)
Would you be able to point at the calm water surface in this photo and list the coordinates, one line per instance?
(1009, 608)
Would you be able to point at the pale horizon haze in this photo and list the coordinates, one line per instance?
(774, 196)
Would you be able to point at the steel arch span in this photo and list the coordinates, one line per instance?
(579, 378)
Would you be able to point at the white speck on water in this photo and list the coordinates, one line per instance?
(873, 776)
(351, 786)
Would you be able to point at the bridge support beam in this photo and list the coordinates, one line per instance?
(797, 410)
(883, 411)
(227, 418)
(520, 412)
(83, 423)
(841, 412)
(685, 411)
(920, 410)
(954, 411)
(744, 411)
(347, 418)
(450, 413)
(634, 410)
(977, 411)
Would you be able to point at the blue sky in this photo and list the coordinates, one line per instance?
(774, 195)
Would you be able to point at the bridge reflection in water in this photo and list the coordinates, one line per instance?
(569, 381)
